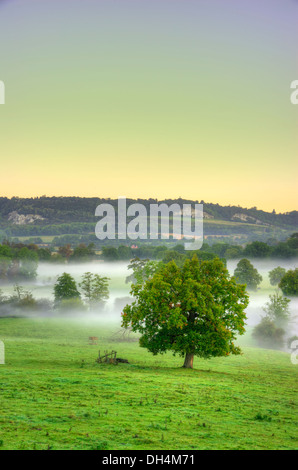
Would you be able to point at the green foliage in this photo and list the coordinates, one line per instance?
(2, 296)
(57, 258)
(22, 301)
(29, 263)
(65, 288)
(233, 252)
(289, 282)
(44, 254)
(257, 250)
(277, 309)
(95, 288)
(196, 309)
(124, 253)
(245, 273)
(292, 342)
(65, 251)
(71, 305)
(276, 275)
(63, 210)
(142, 270)
(173, 255)
(293, 241)
(17, 262)
(283, 250)
(262, 417)
(82, 253)
(5, 265)
(110, 254)
(268, 335)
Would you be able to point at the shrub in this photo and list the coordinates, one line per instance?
(277, 309)
(71, 306)
(267, 334)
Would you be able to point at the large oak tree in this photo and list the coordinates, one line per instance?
(193, 310)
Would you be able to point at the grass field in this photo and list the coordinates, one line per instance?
(55, 396)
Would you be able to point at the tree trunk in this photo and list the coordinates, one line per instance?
(188, 361)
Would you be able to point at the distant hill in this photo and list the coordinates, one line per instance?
(62, 215)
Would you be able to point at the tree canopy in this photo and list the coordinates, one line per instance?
(95, 288)
(276, 274)
(193, 310)
(245, 273)
(65, 288)
(289, 282)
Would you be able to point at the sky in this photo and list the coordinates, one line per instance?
(150, 98)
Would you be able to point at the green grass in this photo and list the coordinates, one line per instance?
(44, 238)
(55, 396)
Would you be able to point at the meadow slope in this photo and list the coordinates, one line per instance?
(55, 396)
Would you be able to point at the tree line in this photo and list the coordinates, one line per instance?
(256, 249)
(19, 261)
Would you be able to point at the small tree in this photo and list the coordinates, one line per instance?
(65, 288)
(193, 310)
(289, 282)
(95, 288)
(29, 263)
(276, 275)
(245, 273)
(277, 309)
(65, 251)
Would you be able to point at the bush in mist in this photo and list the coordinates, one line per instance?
(17, 262)
(57, 258)
(277, 309)
(267, 334)
(72, 305)
(22, 301)
(82, 253)
(276, 275)
(245, 273)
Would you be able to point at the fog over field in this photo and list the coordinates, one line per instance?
(258, 299)
(47, 275)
